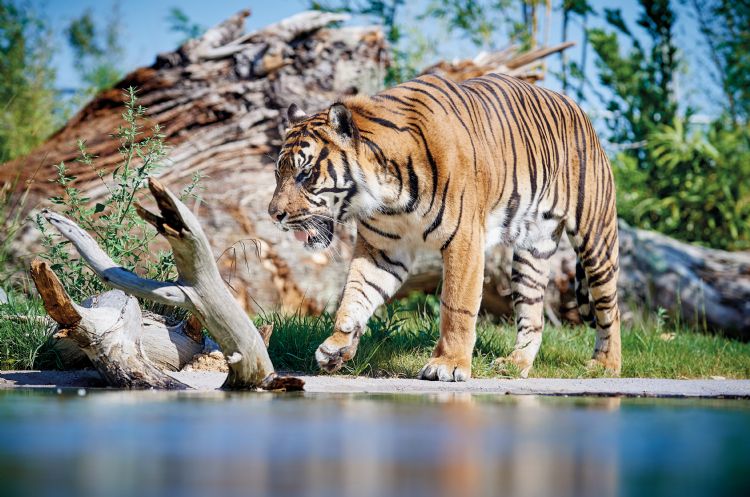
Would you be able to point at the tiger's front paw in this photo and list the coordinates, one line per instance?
(446, 369)
(337, 349)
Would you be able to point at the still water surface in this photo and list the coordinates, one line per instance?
(112, 444)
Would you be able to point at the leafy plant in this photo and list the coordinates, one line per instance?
(25, 334)
(11, 221)
(113, 221)
(691, 185)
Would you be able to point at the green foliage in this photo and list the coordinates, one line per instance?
(113, 221)
(471, 18)
(687, 183)
(27, 96)
(577, 7)
(96, 52)
(691, 185)
(180, 23)
(641, 81)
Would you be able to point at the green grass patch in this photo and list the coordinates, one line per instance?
(25, 335)
(399, 342)
(401, 336)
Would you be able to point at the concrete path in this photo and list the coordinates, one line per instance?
(346, 384)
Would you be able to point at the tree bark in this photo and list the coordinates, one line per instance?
(221, 99)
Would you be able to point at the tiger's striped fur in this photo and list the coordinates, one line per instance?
(436, 165)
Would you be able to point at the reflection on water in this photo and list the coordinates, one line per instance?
(185, 444)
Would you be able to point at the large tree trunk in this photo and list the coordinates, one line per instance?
(220, 100)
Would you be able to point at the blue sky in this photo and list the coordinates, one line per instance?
(145, 32)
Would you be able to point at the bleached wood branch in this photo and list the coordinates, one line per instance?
(109, 271)
(199, 288)
(107, 328)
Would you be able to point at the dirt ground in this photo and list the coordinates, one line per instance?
(201, 380)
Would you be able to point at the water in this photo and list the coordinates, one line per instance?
(113, 444)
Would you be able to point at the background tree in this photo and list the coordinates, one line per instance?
(726, 28)
(97, 52)
(686, 181)
(28, 111)
(180, 23)
(641, 80)
(569, 9)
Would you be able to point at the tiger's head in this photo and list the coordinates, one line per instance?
(319, 179)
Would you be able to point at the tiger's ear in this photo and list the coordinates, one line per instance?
(294, 114)
(341, 121)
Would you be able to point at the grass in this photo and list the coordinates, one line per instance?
(25, 335)
(400, 342)
(401, 336)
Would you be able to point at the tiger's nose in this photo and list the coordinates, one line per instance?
(276, 214)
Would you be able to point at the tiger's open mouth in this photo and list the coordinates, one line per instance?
(316, 232)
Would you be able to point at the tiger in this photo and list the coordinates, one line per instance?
(455, 167)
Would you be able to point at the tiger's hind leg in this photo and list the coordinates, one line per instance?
(598, 256)
(529, 277)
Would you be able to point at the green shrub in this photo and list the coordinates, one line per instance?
(113, 221)
(692, 185)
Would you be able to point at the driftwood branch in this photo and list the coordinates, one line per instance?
(169, 345)
(198, 289)
(106, 328)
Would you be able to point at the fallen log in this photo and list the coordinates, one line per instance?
(167, 343)
(110, 328)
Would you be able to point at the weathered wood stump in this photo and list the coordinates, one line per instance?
(109, 328)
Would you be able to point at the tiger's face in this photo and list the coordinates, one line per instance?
(316, 186)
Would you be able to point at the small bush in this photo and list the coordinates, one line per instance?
(692, 185)
(113, 221)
